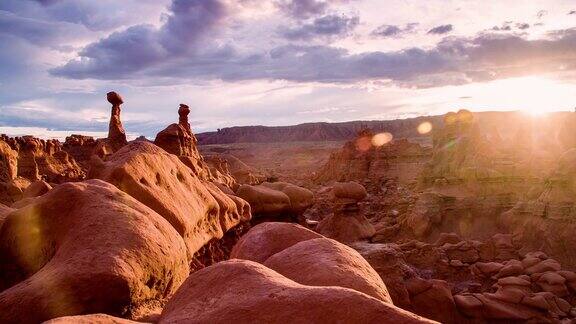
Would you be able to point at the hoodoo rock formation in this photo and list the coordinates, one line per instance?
(347, 223)
(179, 140)
(116, 133)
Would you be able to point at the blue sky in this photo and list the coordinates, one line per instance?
(277, 62)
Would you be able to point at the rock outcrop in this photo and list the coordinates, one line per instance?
(90, 319)
(361, 160)
(276, 201)
(212, 295)
(325, 262)
(197, 209)
(105, 252)
(267, 239)
(179, 140)
(347, 223)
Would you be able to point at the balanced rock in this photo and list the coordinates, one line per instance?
(347, 223)
(116, 132)
(106, 252)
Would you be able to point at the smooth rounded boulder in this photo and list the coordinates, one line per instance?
(90, 319)
(300, 198)
(264, 200)
(242, 291)
(267, 239)
(350, 190)
(325, 262)
(86, 248)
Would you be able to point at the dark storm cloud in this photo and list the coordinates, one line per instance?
(441, 30)
(327, 26)
(394, 31)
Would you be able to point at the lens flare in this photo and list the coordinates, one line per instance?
(381, 139)
(425, 128)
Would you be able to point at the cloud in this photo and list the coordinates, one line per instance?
(303, 9)
(510, 25)
(171, 54)
(40, 32)
(541, 14)
(142, 46)
(440, 30)
(326, 26)
(394, 31)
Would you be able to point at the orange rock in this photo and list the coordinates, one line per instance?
(240, 291)
(90, 319)
(105, 252)
(267, 239)
(325, 262)
(197, 209)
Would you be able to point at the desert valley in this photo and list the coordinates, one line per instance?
(443, 218)
(287, 161)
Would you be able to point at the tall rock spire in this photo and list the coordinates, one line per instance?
(116, 133)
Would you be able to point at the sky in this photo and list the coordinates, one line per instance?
(277, 62)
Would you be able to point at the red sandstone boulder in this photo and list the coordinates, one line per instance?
(346, 228)
(8, 162)
(4, 211)
(325, 262)
(265, 201)
(197, 209)
(105, 252)
(37, 188)
(241, 291)
(349, 190)
(90, 319)
(267, 239)
(300, 198)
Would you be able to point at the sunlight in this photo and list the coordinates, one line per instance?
(531, 95)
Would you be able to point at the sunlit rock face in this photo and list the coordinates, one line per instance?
(196, 208)
(211, 296)
(375, 157)
(545, 218)
(179, 140)
(26, 159)
(86, 248)
(240, 171)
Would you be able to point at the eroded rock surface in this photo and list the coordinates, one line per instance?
(211, 295)
(197, 209)
(106, 252)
